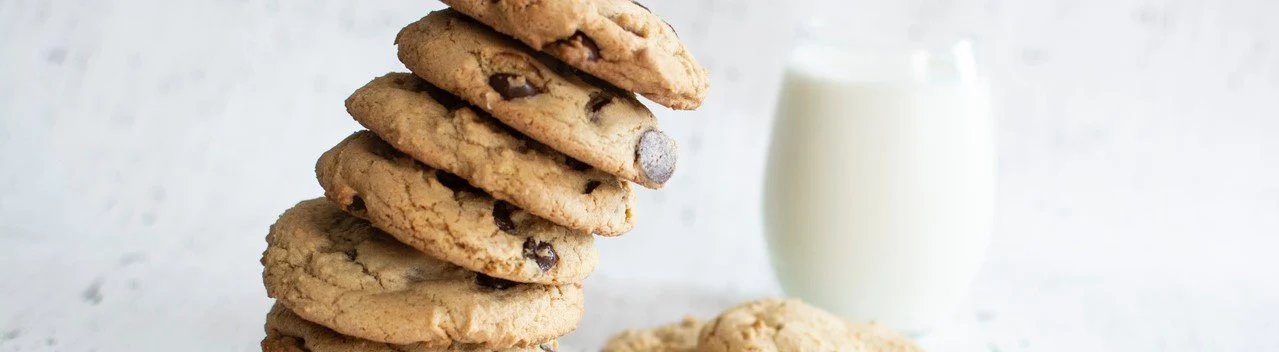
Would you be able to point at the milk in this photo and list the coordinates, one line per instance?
(880, 182)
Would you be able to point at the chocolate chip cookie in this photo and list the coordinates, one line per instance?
(619, 41)
(677, 337)
(441, 214)
(340, 272)
(590, 121)
(879, 338)
(444, 132)
(287, 332)
(777, 325)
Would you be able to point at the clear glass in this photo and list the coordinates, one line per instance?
(879, 191)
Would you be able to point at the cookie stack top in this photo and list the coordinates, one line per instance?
(463, 217)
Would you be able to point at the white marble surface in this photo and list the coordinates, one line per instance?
(145, 145)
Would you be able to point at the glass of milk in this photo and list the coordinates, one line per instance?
(879, 191)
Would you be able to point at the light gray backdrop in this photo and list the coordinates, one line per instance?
(146, 145)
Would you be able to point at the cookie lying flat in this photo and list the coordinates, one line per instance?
(444, 216)
(619, 41)
(879, 338)
(342, 273)
(677, 337)
(777, 325)
(287, 332)
(596, 123)
(444, 132)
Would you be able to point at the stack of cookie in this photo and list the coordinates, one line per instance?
(462, 219)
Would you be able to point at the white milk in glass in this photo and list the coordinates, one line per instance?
(880, 181)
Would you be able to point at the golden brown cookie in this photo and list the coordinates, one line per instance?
(342, 273)
(590, 121)
(619, 41)
(879, 338)
(444, 132)
(444, 216)
(777, 325)
(676, 337)
(287, 332)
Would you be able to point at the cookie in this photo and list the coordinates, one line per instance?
(677, 337)
(777, 325)
(287, 332)
(444, 216)
(619, 41)
(446, 133)
(590, 121)
(340, 272)
(879, 338)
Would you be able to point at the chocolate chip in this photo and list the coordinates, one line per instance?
(637, 3)
(586, 44)
(512, 86)
(502, 216)
(541, 252)
(493, 282)
(576, 165)
(356, 206)
(591, 186)
(455, 182)
(656, 155)
(597, 102)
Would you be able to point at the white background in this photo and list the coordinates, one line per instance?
(146, 145)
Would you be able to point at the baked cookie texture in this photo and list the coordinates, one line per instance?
(879, 338)
(445, 217)
(675, 337)
(578, 115)
(777, 325)
(619, 41)
(287, 332)
(344, 274)
(443, 131)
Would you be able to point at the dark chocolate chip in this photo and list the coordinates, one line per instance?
(455, 182)
(591, 186)
(493, 282)
(511, 86)
(356, 206)
(587, 44)
(597, 102)
(576, 165)
(542, 253)
(502, 216)
(637, 3)
(656, 155)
